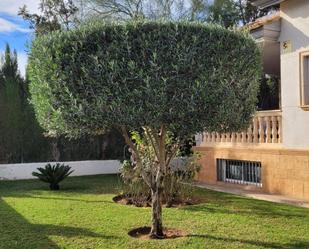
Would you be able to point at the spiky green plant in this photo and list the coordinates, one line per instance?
(53, 174)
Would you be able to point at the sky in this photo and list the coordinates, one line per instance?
(14, 30)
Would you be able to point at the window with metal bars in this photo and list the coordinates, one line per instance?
(239, 172)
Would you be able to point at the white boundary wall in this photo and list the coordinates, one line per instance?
(81, 168)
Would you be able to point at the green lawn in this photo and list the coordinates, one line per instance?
(83, 215)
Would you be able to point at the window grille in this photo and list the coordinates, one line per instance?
(239, 172)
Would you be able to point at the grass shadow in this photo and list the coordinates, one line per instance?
(274, 245)
(17, 232)
(233, 204)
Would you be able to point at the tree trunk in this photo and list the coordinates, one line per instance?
(54, 186)
(156, 222)
(156, 181)
(55, 149)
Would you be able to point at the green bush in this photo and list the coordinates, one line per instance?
(176, 189)
(182, 172)
(134, 189)
(53, 174)
(22, 139)
(100, 75)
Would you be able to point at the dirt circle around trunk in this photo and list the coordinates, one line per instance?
(125, 200)
(143, 233)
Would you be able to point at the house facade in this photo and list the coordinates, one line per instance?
(272, 155)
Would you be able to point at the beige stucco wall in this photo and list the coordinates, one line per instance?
(294, 28)
(284, 171)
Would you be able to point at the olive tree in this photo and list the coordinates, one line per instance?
(165, 81)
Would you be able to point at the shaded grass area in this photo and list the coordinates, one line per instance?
(83, 215)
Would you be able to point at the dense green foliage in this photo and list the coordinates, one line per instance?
(53, 174)
(138, 74)
(82, 215)
(183, 170)
(20, 135)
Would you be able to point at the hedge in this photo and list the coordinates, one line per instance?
(188, 76)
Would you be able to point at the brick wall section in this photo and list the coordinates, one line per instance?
(284, 171)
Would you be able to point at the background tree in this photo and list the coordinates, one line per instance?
(21, 137)
(145, 9)
(229, 13)
(224, 12)
(54, 15)
(159, 83)
(199, 10)
(11, 107)
(249, 13)
(63, 15)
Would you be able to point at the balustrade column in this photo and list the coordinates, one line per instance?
(238, 137)
(279, 129)
(268, 130)
(228, 137)
(256, 130)
(249, 132)
(208, 137)
(274, 129)
(204, 140)
(222, 138)
(213, 137)
(218, 137)
(243, 137)
(261, 130)
(233, 137)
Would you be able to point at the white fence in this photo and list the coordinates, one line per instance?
(81, 168)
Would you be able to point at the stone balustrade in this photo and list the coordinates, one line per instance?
(266, 128)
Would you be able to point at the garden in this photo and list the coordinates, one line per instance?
(82, 214)
(157, 84)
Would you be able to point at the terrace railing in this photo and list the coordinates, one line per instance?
(265, 129)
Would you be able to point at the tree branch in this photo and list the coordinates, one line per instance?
(129, 142)
(139, 163)
(149, 135)
(173, 154)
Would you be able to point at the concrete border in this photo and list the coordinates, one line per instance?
(255, 195)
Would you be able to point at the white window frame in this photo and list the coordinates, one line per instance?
(304, 80)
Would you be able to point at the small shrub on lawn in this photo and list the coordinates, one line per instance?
(175, 191)
(53, 174)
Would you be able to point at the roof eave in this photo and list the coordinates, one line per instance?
(265, 3)
(263, 21)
